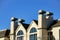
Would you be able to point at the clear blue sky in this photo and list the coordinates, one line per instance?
(26, 9)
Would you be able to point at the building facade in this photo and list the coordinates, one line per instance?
(4, 35)
(45, 28)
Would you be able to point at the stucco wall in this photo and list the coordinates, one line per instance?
(1, 38)
(4, 38)
(55, 31)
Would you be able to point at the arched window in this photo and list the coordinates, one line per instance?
(33, 34)
(20, 35)
(33, 30)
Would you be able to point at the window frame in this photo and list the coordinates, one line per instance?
(33, 33)
(33, 30)
(21, 35)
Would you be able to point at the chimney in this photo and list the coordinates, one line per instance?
(49, 18)
(20, 21)
(42, 29)
(49, 15)
(41, 19)
(12, 28)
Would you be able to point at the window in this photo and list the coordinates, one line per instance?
(33, 34)
(20, 35)
(33, 30)
(50, 36)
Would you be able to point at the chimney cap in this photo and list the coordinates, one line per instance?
(13, 19)
(41, 12)
(49, 13)
(21, 20)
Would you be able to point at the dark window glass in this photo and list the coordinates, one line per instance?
(33, 30)
(20, 38)
(34, 35)
(20, 32)
(20, 35)
(50, 37)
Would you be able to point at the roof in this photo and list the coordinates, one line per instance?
(4, 33)
(36, 21)
(55, 23)
(25, 25)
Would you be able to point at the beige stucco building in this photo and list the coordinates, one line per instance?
(4, 34)
(45, 28)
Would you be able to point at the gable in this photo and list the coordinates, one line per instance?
(20, 27)
(33, 24)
